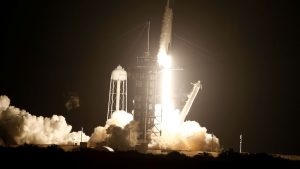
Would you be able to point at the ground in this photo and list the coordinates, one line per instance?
(53, 156)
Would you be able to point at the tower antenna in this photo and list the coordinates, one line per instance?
(148, 38)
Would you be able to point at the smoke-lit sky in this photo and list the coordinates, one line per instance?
(244, 53)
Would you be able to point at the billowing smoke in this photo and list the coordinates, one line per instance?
(187, 136)
(178, 134)
(19, 127)
(73, 102)
(119, 132)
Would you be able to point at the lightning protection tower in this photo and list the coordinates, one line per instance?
(117, 99)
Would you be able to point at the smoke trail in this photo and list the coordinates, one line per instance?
(73, 102)
(119, 132)
(19, 127)
(166, 32)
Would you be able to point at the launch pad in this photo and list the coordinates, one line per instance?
(161, 124)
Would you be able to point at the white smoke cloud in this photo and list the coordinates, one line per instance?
(120, 119)
(19, 127)
(119, 132)
(98, 136)
(4, 103)
(187, 136)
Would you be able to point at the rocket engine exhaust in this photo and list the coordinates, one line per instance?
(177, 134)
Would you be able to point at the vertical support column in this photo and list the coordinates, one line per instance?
(109, 102)
(113, 97)
(118, 96)
(126, 95)
(123, 95)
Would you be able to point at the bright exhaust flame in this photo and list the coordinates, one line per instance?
(176, 133)
(167, 106)
(164, 61)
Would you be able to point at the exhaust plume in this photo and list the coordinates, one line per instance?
(166, 32)
(19, 127)
(177, 134)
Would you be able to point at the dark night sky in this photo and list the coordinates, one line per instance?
(244, 53)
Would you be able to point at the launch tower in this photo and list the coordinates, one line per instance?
(145, 96)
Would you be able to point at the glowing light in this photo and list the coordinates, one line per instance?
(164, 59)
(176, 133)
